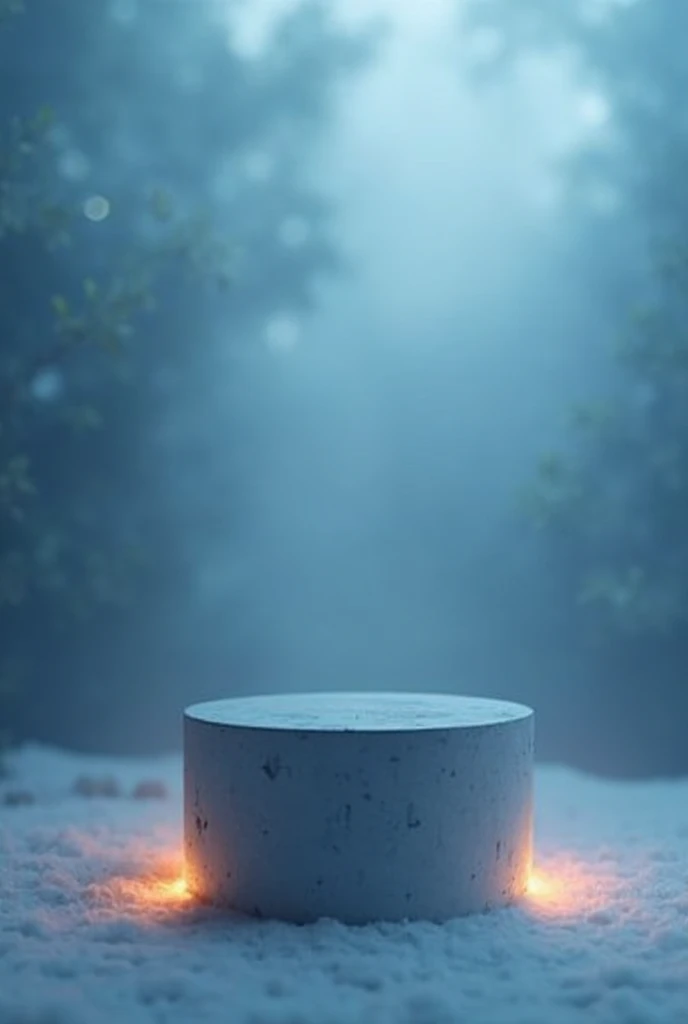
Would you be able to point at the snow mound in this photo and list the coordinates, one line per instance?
(95, 925)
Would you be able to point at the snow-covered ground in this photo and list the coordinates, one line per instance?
(95, 927)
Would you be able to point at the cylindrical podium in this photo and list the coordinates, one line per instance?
(358, 806)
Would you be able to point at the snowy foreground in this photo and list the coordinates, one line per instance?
(95, 925)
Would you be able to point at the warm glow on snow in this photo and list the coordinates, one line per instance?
(540, 886)
(564, 887)
(156, 891)
(176, 890)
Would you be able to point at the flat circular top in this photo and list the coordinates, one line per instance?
(358, 712)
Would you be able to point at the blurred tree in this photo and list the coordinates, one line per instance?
(616, 499)
(165, 163)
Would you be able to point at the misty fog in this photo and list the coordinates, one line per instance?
(332, 459)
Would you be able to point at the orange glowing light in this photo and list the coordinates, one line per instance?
(540, 886)
(564, 887)
(180, 888)
(174, 891)
(160, 889)
(552, 891)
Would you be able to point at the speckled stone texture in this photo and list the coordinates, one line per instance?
(359, 807)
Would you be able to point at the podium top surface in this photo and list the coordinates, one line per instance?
(357, 712)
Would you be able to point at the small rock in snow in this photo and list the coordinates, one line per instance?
(92, 786)
(18, 798)
(150, 789)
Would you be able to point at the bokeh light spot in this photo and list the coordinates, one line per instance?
(47, 385)
(282, 333)
(74, 165)
(593, 109)
(97, 208)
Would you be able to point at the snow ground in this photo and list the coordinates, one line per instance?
(94, 930)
